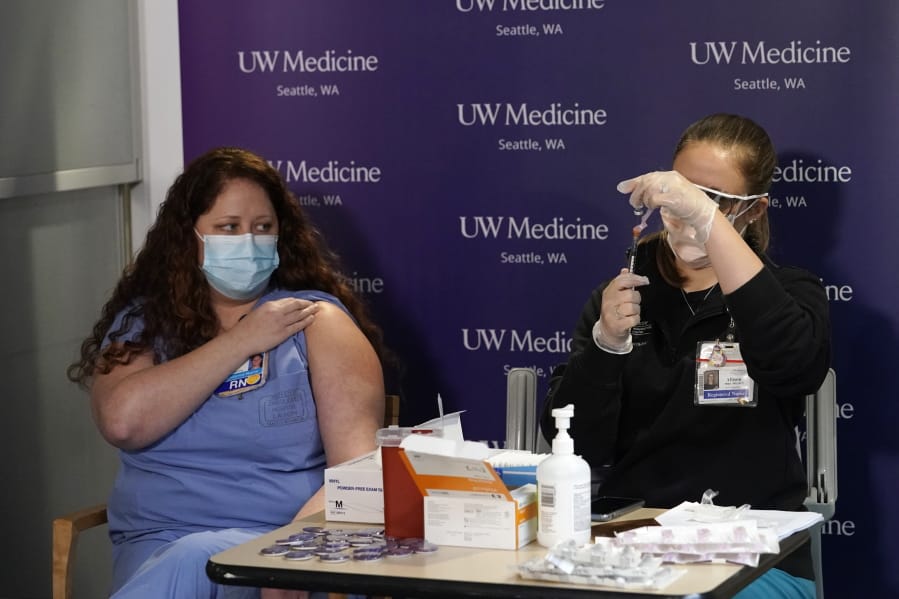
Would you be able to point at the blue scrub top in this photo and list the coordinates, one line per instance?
(243, 461)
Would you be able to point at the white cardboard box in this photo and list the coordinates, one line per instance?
(478, 520)
(354, 491)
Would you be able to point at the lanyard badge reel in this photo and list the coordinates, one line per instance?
(721, 375)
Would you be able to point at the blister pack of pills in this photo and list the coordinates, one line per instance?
(738, 542)
(605, 563)
(338, 546)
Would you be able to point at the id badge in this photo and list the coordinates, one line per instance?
(251, 375)
(721, 376)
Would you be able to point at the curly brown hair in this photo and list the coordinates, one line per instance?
(165, 285)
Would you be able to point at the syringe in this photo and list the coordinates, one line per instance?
(632, 252)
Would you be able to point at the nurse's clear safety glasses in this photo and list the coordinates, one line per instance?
(716, 196)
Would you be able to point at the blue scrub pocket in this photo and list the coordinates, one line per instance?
(286, 416)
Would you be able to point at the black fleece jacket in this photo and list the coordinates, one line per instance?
(635, 421)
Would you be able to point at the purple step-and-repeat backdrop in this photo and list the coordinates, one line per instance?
(462, 157)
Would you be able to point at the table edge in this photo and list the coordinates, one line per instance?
(378, 584)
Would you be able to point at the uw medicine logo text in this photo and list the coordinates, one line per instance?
(511, 115)
(800, 171)
(514, 340)
(363, 284)
(298, 61)
(510, 227)
(556, 114)
(333, 171)
(796, 52)
(538, 8)
(329, 62)
(528, 5)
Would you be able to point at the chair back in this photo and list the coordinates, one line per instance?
(821, 464)
(821, 447)
(391, 410)
(521, 409)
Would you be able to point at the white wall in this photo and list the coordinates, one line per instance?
(160, 94)
(61, 252)
(61, 255)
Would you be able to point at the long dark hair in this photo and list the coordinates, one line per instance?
(165, 286)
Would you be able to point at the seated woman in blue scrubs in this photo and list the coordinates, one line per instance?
(217, 445)
(704, 299)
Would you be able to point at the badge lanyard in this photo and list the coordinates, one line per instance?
(249, 376)
(721, 375)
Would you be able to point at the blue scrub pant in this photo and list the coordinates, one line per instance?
(777, 584)
(176, 567)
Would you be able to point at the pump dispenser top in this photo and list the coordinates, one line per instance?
(563, 444)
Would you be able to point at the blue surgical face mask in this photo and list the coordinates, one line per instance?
(239, 266)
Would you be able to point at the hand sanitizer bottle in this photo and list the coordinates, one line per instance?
(563, 489)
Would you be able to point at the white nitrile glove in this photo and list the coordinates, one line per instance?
(619, 312)
(675, 196)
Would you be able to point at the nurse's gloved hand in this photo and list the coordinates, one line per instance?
(619, 312)
(676, 196)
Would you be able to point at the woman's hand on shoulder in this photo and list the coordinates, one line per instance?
(271, 323)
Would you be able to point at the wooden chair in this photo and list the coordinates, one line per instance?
(66, 528)
(65, 536)
(391, 410)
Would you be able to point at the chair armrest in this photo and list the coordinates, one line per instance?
(65, 536)
(84, 519)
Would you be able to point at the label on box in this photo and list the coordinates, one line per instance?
(426, 464)
(481, 520)
(354, 491)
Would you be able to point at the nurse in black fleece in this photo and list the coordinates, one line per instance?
(632, 372)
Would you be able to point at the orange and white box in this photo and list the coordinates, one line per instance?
(446, 491)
